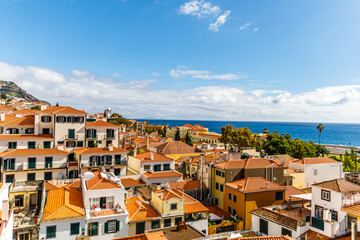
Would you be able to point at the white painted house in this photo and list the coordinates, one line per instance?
(318, 169)
(7, 216)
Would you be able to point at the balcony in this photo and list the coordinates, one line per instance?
(88, 165)
(109, 136)
(73, 137)
(317, 223)
(99, 212)
(92, 137)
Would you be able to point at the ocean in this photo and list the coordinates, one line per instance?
(334, 133)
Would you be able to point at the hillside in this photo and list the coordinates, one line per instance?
(11, 89)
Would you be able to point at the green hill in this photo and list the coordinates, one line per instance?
(11, 89)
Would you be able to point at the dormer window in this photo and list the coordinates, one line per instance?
(325, 195)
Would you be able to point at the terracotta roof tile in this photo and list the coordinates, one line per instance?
(163, 174)
(185, 185)
(63, 109)
(98, 182)
(25, 112)
(20, 121)
(98, 150)
(140, 210)
(247, 163)
(175, 147)
(157, 157)
(63, 203)
(25, 152)
(267, 238)
(129, 182)
(101, 123)
(339, 185)
(276, 217)
(254, 184)
(317, 236)
(316, 160)
(25, 136)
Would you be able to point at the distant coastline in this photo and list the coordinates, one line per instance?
(346, 134)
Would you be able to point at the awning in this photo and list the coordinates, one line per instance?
(306, 196)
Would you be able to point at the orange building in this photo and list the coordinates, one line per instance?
(250, 193)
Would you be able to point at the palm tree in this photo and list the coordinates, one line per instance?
(320, 127)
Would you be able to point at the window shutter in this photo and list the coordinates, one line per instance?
(117, 225)
(12, 164)
(42, 118)
(9, 145)
(106, 227)
(5, 164)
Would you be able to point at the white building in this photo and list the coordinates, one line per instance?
(7, 216)
(150, 161)
(318, 169)
(102, 133)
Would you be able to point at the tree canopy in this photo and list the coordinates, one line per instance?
(121, 120)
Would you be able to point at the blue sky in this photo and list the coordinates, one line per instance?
(211, 59)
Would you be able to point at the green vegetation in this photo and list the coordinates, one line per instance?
(121, 120)
(36, 107)
(238, 137)
(188, 139)
(177, 135)
(3, 96)
(349, 160)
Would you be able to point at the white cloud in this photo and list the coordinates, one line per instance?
(256, 29)
(221, 20)
(245, 26)
(199, 8)
(201, 74)
(156, 74)
(140, 99)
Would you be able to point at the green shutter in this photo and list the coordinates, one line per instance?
(106, 227)
(5, 164)
(9, 145)
(117, 226)
(117, 159)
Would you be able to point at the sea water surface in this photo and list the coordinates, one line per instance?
(334, 133)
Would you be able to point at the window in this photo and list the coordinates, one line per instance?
(31, 145)
(216, 201)
(110, 226)
(157, 167)
(91, 133)
(51, 232)
(29, 131)
(117, 172)
(234, 212)
(47, 144)
(146, 167)
(118, 160)
(12, 131)
(108, 143)
(70, 144)
(334, 215)
(263, 226)
(10, 178)
(9, 164)
(93, 229)
(46, 131)
(31, 163)
(71, 133)
(46, 119)
(12, 145)
(48, 162)
(167, 222)
(48, 176)
(74, 228)
(166, 167)
(234, 198)
(229, 210)
(222, 174)
(140, 228)
(177, 220)
(217, 186)
(230, 196)
(108, 159)
(91, 144)
(315, 172)
(319, 212)
(325, 195)
(285, 232)
(173, 206)
(217, 172)
(60, 119)
(155, 224)
(31, 176)
(79, 143)
(279, 196)
(110, 133)
(221, 187)
(19, 200)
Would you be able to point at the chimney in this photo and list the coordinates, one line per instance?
(163, 195)
(5, 210)
(135, 152)
(152, 156)
(2, 117)
(267, 185)
(111, 147)
(240, 187)
(354, 229)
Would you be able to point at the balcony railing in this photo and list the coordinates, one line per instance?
(85, 165)
(75, 137)
(92, 136)
(109, 136)
(317, 223)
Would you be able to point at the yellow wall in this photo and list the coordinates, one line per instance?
(216, 193)
(164, 207)
(132, 225)
(298, 180)
(177, 156)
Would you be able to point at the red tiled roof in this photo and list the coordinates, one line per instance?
(63, 109)
(101, 123)
(316, 160)
(185, 185)
(267, 238)
(254, 184)
(20, 121)
(31, 152)
(25, 136)
(98, 182)
(157, 157)
(140, 210)
(252, 163)
(175, 147)
(339, 185)
(129, 182)
(163, 174)
(98, 150)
